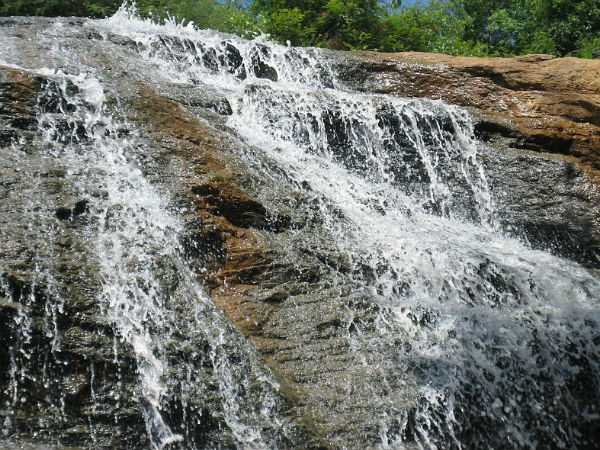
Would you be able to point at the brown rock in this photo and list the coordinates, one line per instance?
(552, 103)
(18, 91)
(230, 218)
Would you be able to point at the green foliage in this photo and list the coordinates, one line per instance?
(411, 30)
(588, 48)
(540, 42)
(227, 17)
(90, 8)
(458, 27)
(288, 25)
(511, 27)
(341, 24)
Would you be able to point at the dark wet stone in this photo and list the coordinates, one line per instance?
(66, 213)
(234, 61)
(260, 67)
(63, 212)
(274, 296)
(80, 207)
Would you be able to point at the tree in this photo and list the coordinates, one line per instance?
(90, 8)
(520, 26)
(287, 25)
(341, 24)
(226, 16)
(459, 27)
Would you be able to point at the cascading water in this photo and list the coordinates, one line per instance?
(147, 292)
(498, 344)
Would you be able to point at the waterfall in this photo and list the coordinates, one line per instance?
(147, 292)
(496, 344)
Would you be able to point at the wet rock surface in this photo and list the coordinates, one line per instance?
(254, 240)
(68, 379)
(552, 102)
(265, 275)
(61, 358)
(540, 116)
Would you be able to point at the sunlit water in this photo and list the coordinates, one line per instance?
(147, 291)
(502, 341)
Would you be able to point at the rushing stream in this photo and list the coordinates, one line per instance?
(498, 344)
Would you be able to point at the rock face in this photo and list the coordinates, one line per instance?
(314, 356)
(535, 111)
(51, 377)
(552, 103)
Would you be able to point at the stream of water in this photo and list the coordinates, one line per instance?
(148, 293)
(500, 335)
(502, 342)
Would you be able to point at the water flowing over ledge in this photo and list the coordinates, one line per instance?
(383, 303)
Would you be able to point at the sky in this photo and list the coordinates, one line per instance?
(413, 2)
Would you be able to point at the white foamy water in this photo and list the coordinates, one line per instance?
(148, 293)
